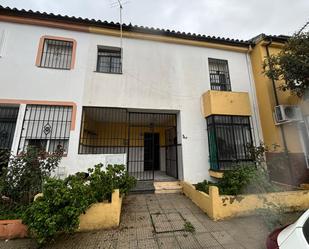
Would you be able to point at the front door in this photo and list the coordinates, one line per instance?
(151, 151)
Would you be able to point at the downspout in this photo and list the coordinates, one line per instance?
(281, 128)
(254, 97)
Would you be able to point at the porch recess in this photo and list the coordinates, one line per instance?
(148, 139)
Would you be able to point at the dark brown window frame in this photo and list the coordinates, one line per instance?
(219, 79)
(110, 53)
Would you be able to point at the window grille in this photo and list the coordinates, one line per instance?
(109, 60)
(219, 75)
(57, 54)
(228, 138)
(8, 117)
(46, 127)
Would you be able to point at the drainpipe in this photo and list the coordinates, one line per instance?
(281, 128)
(254, 98)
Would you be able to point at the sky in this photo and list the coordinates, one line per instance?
(241, 19)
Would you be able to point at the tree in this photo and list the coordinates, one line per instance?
(291, 65)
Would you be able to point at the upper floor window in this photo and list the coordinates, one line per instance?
(109, 60)
(219, 75)
(57, 53)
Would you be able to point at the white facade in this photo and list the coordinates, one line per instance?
(156, 76)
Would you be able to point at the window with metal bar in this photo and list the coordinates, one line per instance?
(8, 117)
(109, 60)
(57, 54)
(104, 131)
(228, 138)
(219, 75)
(46, 128)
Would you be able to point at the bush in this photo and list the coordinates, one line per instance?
(4, 160)
(242, 179)
(114, 177)
(22, 179)
(63, 201)
(10, 211)
(204, 186)
(234, 181)
(59, 208)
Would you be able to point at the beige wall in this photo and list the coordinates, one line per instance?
(220, 207)
(102, 215)
(266, 102)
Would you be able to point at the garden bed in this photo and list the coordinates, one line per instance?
(220, 207)
(80, 202)
(103, 215)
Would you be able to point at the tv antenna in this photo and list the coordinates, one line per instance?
(120, 4)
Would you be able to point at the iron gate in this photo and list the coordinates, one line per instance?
(171, 152)
(148, 144)
(148, 139)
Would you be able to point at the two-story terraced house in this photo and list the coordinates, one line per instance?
(169, 105)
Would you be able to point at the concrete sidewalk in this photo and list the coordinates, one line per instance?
(157, 221)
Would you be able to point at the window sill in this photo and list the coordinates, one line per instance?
(107, 72)
(66, 69)
(215, 173)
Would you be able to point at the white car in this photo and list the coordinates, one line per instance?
(294, 236)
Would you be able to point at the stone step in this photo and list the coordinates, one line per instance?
(143, 187)
(167, 187)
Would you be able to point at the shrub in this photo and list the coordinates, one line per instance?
(22, 179)
(234, 181)
(114, 177)
(63, 201)
(204, 186)
(242, 179)
(59, 208)
(4, 160)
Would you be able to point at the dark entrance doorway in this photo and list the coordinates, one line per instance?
(151, 151)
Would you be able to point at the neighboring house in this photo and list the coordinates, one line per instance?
(167, 104)
(284, 118)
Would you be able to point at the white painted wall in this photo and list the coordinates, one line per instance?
(156, 76)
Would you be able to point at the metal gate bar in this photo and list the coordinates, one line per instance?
(140, 124)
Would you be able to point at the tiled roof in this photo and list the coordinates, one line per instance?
(275, 38)
(126, 27)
